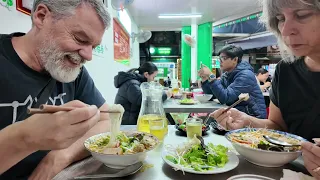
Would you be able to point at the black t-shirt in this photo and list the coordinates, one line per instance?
(20, 87)
(295, 91)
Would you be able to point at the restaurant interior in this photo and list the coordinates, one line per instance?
(178, 138)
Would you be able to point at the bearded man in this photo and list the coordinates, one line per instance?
(43, 66)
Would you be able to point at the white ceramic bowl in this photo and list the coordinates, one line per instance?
(263, 157)
(177, 96)
(203, 98)
(117, 161)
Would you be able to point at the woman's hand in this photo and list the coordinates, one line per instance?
(311, 158)
(233, 119)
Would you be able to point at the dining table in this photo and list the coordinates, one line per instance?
(154, 168)
(173, 106)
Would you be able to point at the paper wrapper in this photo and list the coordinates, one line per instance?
(84, 167)
(292, 175)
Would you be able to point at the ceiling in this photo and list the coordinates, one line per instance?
(145, 12)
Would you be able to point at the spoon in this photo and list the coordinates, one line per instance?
(124, 172)
(279, 142)
(206, 120)
(216, 125)
(202, 142)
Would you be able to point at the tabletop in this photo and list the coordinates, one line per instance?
(156, 169)
(173, 106)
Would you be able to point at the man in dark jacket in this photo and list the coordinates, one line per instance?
(129, 93)
(238, 78)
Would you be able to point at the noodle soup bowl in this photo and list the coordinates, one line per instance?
(118, 161)
(265, 158)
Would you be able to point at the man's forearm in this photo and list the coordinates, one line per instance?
(13, 148)
(77, 151)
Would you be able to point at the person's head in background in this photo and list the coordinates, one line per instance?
(230, 57)
(296, 24)
(262, 75)
(65, 33)
(148, 70)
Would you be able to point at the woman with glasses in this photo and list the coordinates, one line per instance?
(295, 99)
(238, 77)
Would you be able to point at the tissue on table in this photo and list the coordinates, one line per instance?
(292, 175)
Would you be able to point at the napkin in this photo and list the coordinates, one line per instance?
(84, 167)
(292, 175)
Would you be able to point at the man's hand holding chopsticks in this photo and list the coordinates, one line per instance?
(60, 130)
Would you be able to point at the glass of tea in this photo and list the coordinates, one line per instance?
(158, 128)
(194, 127)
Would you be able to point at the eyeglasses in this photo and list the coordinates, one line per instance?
(223, 58)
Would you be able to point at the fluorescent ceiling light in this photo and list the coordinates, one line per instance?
(173, 16)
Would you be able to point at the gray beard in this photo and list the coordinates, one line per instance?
(52, 59)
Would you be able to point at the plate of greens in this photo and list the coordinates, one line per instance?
(187, 101)
(191, 157)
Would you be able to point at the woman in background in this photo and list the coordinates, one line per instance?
(295, 98)
(129, 93)
(262, 77)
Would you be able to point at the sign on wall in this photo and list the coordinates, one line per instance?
(24, 6)
(100, 50)
(216, 62)
(121, 42)
(7, 4)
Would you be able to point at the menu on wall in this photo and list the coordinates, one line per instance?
(121, 41)
(100, 50)
(6, 4)
(25, 6)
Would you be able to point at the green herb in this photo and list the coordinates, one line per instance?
(187, 101)
(195, 157)
(172, 159)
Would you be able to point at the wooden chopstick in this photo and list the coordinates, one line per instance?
(242, 97)
(233, 105)
(47, 109)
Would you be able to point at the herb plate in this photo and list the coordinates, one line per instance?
(230, 165)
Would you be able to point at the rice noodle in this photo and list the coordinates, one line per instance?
(253, 137)
(115, 123)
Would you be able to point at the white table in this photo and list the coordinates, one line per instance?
(173, 106)
(161, 171)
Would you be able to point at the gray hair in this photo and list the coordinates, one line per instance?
(271, 8)
(65, 8)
